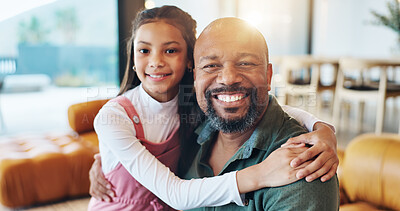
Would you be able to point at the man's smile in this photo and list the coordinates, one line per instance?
(228, 98)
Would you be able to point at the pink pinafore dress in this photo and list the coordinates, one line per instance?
(131, 195)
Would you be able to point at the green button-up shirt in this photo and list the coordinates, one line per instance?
(275, 128)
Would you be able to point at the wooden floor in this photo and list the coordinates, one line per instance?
(346, 131)
(70, 205)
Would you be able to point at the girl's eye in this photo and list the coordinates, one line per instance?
(144, 51)
(171, 51)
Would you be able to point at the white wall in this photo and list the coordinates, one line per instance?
(343, 28)
(284, 23)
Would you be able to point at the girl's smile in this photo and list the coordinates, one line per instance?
(158, 76)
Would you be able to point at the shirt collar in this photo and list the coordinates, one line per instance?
(153, 104)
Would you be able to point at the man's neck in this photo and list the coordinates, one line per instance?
(233, 141)
(226, 145)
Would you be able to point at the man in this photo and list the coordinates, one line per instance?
(245, 125)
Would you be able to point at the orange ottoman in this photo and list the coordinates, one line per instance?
(39, 169)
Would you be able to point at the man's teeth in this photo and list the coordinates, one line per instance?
(228, 99)
(157, 76)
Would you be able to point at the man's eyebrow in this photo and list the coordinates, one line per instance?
(240, 55)
(211, 57)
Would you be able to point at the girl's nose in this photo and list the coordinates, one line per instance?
(156, 60)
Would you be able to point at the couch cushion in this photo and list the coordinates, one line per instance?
(37, 169)
(81, 115)
(90, 138)
(359, 206)
(371, 170)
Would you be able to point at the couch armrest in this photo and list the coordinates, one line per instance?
(81, 115)
(371, 170)
(343, 196)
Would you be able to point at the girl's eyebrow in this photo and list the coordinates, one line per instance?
(144, 42)
(166, 43)
(171, 42)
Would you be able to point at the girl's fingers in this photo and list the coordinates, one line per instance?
(296, 140)
(316, 165)
(309, 154)
(330, 174)
(320, 172)
(293, 145)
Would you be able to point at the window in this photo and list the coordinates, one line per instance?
(54, 55)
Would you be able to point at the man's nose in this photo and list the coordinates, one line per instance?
(156, 60)
(229, 75)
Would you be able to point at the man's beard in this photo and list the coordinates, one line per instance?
(238, 125)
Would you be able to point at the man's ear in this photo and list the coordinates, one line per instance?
(269, 75)
(190, 66)
(194, 72)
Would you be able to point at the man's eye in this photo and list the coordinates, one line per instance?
(144, 51)
(246, 64)
(210, 66)
(171, 51)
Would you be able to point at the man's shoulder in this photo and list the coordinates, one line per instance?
(301, 195)
(276, 127)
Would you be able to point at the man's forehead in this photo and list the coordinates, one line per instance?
(214, 49)
(216, 37)
(213, 56)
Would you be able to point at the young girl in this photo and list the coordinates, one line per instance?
(139, 131)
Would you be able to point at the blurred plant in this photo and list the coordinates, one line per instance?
(67, 22)
(392, 20)
(32, 32)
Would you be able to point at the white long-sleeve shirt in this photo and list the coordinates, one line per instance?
(118, 144)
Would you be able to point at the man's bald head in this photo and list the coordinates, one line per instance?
(234, 28)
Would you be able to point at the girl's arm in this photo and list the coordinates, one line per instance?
(306, 119)
(119, 136)
(323, 141)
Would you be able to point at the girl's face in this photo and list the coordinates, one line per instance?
(160, 55)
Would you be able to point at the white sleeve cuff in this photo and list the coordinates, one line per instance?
(326, 123)
(237, 197)
(306, 119)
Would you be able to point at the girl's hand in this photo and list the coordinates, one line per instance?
(274, 171)
(100, 188)
(322, 153)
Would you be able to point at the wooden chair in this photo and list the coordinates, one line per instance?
(302, 77)
(362, 89)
